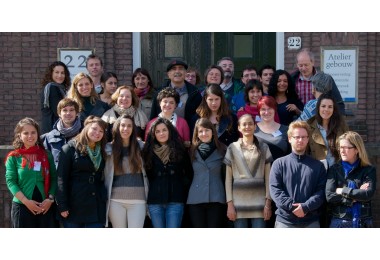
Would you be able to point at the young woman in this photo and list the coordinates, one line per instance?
(55, 83)
(125, 102)
(282, 88)
(215, 108)
(207, 198)
(351, 184)
(169, 171)
(326, 126)
(168, 98)
(81, 195)
(253, 91)
(31, 178)
(83, 92)
(125, 178)
(108, 81)
(247, 178)
(144, 89)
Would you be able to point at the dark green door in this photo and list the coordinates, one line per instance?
(246, 48)
(201, 49)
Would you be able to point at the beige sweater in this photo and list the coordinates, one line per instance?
(247, 179)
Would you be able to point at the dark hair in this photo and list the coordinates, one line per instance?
(67, 102)
(17, 142)
(106, 75)
(266, 67)
(291, 91)
(248, 67)
(49, 73)
(214, 67)
(134, 152)
(197, 76)
(251, 84)
(94, 56)
(168, 92)
(334, 123)
(255, 140)
(145, 73)
(206, 123)
(175, 143)
(81, 140)
(204, 111)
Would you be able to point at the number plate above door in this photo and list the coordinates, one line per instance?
(294, 43)
(75, 59)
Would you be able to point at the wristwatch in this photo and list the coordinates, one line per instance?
(51, 198)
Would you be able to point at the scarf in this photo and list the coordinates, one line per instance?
(130, 111)
(141, 92)
(172, 120)
(356, 206)
(206, 149)
(31, 155)
(95, 156)
(163, 152)
(61, 88)
(70, 131)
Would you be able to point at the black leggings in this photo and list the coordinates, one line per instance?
(207, 215)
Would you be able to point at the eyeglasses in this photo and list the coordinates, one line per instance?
(300, 137)
(346, 147)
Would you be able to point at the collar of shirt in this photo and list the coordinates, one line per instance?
(182, 90)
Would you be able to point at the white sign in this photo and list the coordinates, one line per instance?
(75, 60)
(294, 43)
(342, 65)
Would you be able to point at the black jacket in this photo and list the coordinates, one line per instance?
(81, 189)
(339, 203)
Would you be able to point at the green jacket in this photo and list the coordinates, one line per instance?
(25, 179)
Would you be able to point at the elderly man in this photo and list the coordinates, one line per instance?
(302, 79)
(190, 98)
(230, 85)
(297, 183)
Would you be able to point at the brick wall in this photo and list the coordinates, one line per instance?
(24, 58)
(365, 116)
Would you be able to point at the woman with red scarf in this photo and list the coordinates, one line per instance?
(31, 178)
(143, 86)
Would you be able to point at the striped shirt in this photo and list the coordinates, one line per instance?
(304, 89)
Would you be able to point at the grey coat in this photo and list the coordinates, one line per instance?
(207, 185)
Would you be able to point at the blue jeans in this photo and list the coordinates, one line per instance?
(67, 224)
(166, 215)
(255, 222)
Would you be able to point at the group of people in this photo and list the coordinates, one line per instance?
(271, 149)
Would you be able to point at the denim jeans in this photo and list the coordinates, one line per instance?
(67, 224)
(166, 215)
(255, 222)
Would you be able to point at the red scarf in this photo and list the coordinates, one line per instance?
(29, 156)
(141, 92)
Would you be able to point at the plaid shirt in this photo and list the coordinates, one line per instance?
(303, 88)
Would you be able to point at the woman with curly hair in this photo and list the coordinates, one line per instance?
(31, 178)
(55, 85)
(169, 172)
(282, 88)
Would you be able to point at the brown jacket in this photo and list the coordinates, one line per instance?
(318, 149)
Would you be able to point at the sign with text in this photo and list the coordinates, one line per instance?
(75, 59)
(342, 64)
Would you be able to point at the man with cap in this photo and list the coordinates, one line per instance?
(321, 84)
(302, 79)
(190, 98)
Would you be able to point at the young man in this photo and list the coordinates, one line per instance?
(67, 126)
(265, 74)
(94, 65)
(249, 72)
(297, 183)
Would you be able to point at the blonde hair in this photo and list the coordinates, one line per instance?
(356, 140)
(298, 124)
(135, 99)
(74, 94)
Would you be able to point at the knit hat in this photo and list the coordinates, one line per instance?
(322, 82)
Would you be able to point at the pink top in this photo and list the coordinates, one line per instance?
(181, 126)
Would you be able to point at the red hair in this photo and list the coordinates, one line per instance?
(267, 100)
